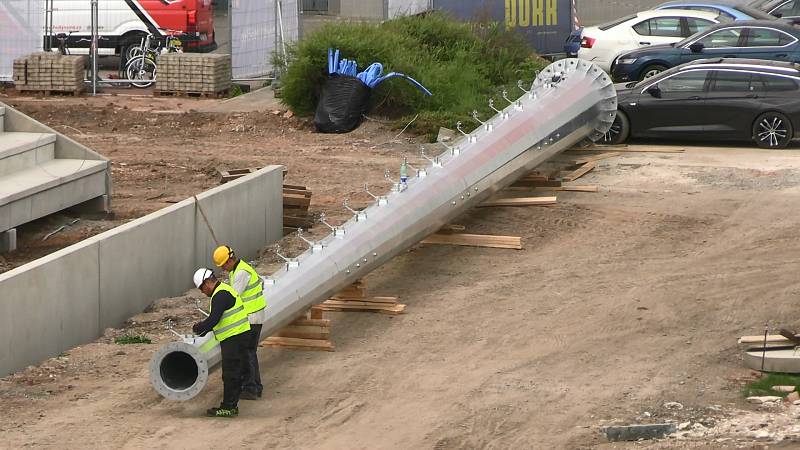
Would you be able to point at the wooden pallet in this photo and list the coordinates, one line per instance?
(49, 92)
(218, 94)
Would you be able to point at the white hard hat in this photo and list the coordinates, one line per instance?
(201, 275)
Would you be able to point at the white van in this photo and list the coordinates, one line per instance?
(123, 23)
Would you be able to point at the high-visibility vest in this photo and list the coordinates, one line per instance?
(253, 295)
(234, 320)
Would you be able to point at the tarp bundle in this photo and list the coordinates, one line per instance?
(345, 95)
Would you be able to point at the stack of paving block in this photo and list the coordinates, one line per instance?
(193, 73)
(50, 72)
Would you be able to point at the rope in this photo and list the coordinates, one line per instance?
(205, 219)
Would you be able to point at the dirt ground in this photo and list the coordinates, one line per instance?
(621, 301)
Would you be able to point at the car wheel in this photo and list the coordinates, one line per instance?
(619, 131)
(652, 70)
(772, 130)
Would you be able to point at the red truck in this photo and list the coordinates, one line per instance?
(124, 22)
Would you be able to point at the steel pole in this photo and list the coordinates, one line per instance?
(95, 40)
(571, 100)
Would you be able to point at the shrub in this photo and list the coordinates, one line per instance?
(462, 64)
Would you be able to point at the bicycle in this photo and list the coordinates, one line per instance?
(62, 39)
(142, 67)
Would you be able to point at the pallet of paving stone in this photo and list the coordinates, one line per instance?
(48, 73)
(194, 74)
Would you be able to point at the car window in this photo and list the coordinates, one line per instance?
(766, 37)
(613, 23)
(728, 81)
(787, 9)
(754, 12)
(773, 83)
(723, 38)
(697, 25)
(659, 26)
(684, 82)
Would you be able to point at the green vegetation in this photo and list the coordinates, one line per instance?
(124, 340)
(763, 386)
(235, 91)
(462, 64)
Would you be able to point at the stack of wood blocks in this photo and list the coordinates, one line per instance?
(296, 200)
(355, 298)
(49, 72)
(312, 332)
(309, 332)
(203, 74)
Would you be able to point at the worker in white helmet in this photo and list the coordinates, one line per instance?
(228, 320)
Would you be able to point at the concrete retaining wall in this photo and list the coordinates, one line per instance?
(69, 297)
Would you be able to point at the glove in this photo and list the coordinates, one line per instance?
(197, 327)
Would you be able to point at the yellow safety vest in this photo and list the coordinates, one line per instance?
(234, 320)
(253, 295)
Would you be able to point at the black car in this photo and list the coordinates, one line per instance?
(717, 99)
(755, 39)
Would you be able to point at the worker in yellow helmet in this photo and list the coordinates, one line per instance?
(250, 287)
(231, 328)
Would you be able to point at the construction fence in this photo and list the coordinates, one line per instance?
(21, 26)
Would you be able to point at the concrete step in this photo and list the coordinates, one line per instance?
(46, 175)
(21, 151)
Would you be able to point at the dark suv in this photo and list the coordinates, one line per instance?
(756, 39)
(718, 99)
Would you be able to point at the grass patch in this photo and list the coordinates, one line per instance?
(124, 340)
(462, 64)
(763, 386)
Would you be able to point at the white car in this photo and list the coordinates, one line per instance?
(601, 44)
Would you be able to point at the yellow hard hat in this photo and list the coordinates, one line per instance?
(222, 254)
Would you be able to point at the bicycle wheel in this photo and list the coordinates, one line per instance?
(142, 72)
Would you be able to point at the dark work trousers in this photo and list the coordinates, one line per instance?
(234, 351)
(251, 374)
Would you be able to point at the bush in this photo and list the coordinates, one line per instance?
(462, 64)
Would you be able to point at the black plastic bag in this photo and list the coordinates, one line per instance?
(342, 104)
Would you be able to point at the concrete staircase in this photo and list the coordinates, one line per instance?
(43, 172)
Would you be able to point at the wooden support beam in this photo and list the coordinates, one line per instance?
(637, 149)
(548, 183)
(520, 201)
(594, 158)
(298, 344)
(579, 172)
(362, 306)
(475, 240)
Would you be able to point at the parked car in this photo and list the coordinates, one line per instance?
(123, 23)
(573, 43)
(719, 99)
(786, 9)
(733, 9)
(755, 39)
(601, 44)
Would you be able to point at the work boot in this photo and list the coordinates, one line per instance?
(247, 395)
(222, 412)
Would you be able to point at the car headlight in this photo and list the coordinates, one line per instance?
(626, 60)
